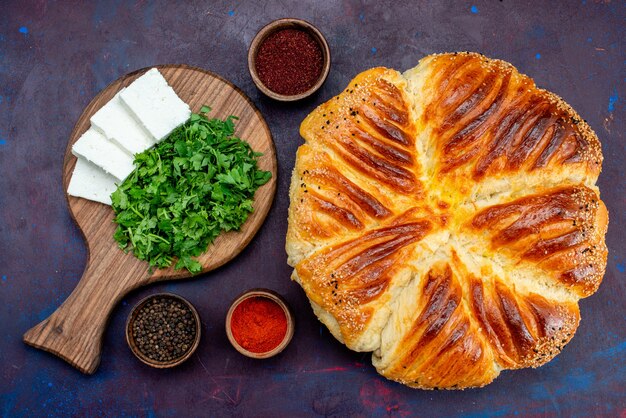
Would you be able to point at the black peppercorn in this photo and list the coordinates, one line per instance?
(164, 329)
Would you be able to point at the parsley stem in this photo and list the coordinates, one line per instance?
(130, 235)
(136, 212)
(159, 238)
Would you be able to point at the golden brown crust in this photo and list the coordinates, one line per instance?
(560, 232)
(368, 128)
(441, 348)
(448, 220)
(522, 330)
(490, 117)
(348, 280)
(466, 328)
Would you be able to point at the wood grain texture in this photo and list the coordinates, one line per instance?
(74, 331)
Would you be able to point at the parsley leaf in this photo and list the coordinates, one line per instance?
(184, 192)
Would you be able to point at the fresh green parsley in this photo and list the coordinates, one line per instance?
(184, 192)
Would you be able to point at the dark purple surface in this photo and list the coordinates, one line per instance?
(54, 57)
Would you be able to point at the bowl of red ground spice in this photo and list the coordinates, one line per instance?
(289, 59)
(259, 323)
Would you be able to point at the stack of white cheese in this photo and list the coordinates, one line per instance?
(138, 117)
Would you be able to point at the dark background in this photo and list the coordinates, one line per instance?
(55, 56)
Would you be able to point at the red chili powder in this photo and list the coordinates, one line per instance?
(289, 61)
(258, 324)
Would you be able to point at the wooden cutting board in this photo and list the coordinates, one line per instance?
(74, 331)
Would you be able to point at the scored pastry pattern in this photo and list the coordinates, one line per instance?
(447, 219)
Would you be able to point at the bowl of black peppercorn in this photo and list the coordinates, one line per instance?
(163, 330)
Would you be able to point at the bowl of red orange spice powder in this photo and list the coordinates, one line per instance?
(289, 59)
(259, 323)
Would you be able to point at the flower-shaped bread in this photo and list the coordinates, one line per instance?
(447, 219)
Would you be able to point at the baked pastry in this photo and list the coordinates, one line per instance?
(447, 220)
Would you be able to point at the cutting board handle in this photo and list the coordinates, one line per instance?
(74, 331)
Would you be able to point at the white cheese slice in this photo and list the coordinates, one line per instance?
(95, 147)
(90, 182)
(155, 104)
(115, 122)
